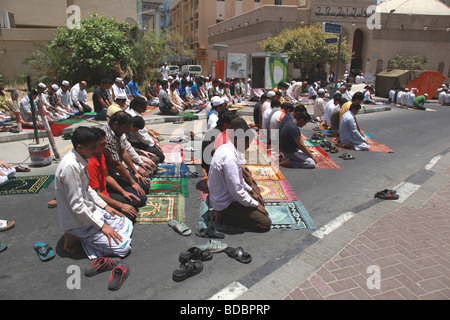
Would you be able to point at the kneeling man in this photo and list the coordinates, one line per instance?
(350, 135)
(235, 202)
(83, 215)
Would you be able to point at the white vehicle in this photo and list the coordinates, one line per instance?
(173, 70)
(192, 69)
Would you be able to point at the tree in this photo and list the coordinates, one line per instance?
(404, 62)
(306, 48)
(100, 48)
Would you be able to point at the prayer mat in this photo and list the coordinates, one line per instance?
(162, 209)
(374, 146)
(256, 154)
(265, 172)
(171, 170)
(323, 160)
(285, 215)
(173, 152)
(26, 185)
(276, 190)
(169, 186)
(57, 128)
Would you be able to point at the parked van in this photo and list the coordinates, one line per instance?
(173, 70)
(192, 69)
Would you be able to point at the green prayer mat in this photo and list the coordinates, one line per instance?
(161, 209)
(169, 186)
(26, 185)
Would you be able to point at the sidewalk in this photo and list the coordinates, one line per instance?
(394, 250)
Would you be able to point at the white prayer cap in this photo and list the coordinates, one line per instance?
(426, 94)
(406, 89)
(65, 83)
(216, 101)
(120, 80)
(55, 87)
(271, 94)
(321, 90)
(121, 96)
(170, 78)
(41, 85)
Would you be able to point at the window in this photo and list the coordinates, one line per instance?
(379, 66)
(278, 2)
(441, 67)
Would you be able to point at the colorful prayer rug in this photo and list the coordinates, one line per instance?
(173, 152)
(162, 209)
(265, 172)
(26, 185)
(323, 160)
(285, 215)
(374, 146)
(169, 186)
(171, 170)
(279, 190)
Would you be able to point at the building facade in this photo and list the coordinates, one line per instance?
(37, 22)
(376, 33)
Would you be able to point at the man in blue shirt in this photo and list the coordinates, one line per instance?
(133, 86)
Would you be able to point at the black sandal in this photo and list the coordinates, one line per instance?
(238, 254)
(188, 268)
(210, 232)
(195, 253)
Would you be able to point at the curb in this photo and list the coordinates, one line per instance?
(277, 278)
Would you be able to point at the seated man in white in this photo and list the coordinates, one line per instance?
(6, 172)
(349, 133)
(83, 215)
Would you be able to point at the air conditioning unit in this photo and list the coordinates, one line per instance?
(7, 20)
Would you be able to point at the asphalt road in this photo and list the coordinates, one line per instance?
(415, 136)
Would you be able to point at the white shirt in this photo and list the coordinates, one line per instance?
(225, 181)
(447, 98)
(265, 117)
(311, 92)
(78, 95)
(319, 107)
(142, 134)
(64, 97)
(165, 72)
(328, 108)
(117, 90)
(77, 202)
(441, 97)
(274, 122)
(212, 120)
(348, 129)
(392, 95)
(410, 99)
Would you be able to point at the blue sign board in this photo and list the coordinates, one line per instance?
(332, 28)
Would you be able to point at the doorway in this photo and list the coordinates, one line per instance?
(357, 61)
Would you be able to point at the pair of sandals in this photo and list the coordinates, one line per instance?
(328, 147)
(347, 156)
(237, 254)
(318, 136)
(387, 194)
(119, 271)
(191, 263)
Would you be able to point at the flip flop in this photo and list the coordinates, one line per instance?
(6, 225)
(195, 253)
(100, 265)
(188, 268)
(44, 251)
(213, 246)
(334, 150)
(346, 156)
(210, 232)
(3, 247)
(20, 168)
(180, 227)
(118, 276)
(238, 254)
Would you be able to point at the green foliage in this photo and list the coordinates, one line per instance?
(98, 49)
(404, 62)
(102, 48)
(306, 47)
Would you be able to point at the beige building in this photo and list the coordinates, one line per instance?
(419, 27)
(32, 21)
(191, 19)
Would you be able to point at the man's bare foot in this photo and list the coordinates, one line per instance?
(71, 243)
